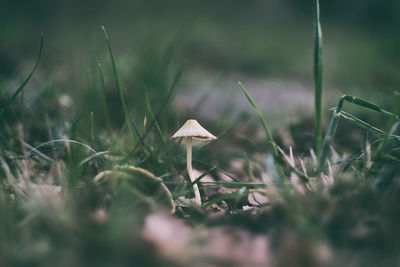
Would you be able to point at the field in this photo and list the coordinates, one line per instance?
(294, 161)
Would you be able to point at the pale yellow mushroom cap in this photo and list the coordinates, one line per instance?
(192, 128)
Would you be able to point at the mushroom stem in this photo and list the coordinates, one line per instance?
(190, 170)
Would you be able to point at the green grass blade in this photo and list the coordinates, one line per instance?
(355, 121)
(329, 135)
(62, 141)
(384, 143)
(233, 184)
(163, 106)
(396, 111)
(203, 174)
(362, 124)
(218, 169)
(40, 154)
(222, 183)
(154, 120)
(25, 82)
(366, 104)
(95, 155)
(263, 122)
(391, 128)
(103, 86)
(318, 78)
(227, 174)
(117, 82)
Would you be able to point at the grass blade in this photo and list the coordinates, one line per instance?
(62, 141)
(364, 103)
(163, 106)
(103, 86)
(318, 78)
(337, 113)
(95, 155)
(154, 120)
(384, 143)
(362, 124)
(25, 82)
(203, 174)
(222, 183)
(263, 122)
(329, 135)
(218, 169)
(40, 154)
(117, 82)
(391, 128)
(233, 184)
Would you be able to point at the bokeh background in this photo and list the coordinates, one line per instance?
(268, 45)
(263, 39)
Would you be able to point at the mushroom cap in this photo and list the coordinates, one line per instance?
(192, 128)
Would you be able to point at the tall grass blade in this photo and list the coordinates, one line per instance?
(318, 78)
(25, 82)
(154, 119)
(103, 86)
(117, 82)
(263, 122)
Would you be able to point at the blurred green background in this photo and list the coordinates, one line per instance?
(266, 44)
(265, 38)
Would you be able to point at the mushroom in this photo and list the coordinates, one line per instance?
(189, 131)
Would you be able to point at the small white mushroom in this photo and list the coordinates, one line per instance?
(192, 130)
